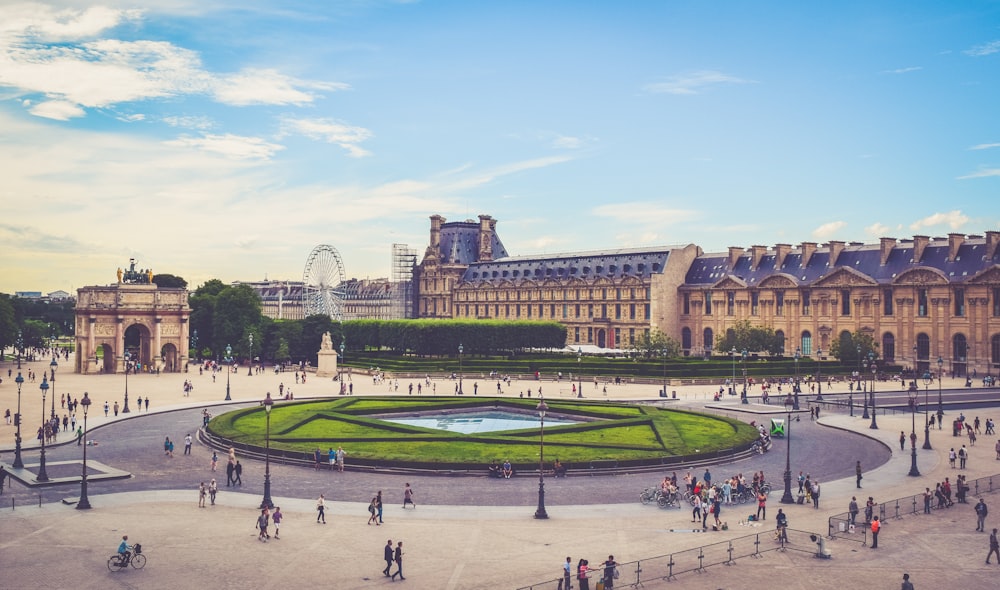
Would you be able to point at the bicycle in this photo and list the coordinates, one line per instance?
(120, 561)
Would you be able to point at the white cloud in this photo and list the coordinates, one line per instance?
(201, 123)
(330, 131)
(266, 86)
(983, 49)
(693, 83)
(47, 24)
(984, 146)
(232, 146)
(984, 173)
(953, 219)
(903, 70)
(645, 213)
(59, 110)
(828, 230)
(566, 142)
(878, 230)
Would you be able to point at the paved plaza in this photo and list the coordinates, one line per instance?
(466, 532)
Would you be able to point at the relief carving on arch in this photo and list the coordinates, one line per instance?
(921, 277)
(845, 278)
(777, 282)
(991, 275)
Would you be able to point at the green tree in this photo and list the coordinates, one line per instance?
(850, 348)
(652, 344)
(744, 336)
(202, 302)
(237, 314)
(169, 281)
(8, 323)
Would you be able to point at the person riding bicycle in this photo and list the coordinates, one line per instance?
(124, 549)
(782, 528)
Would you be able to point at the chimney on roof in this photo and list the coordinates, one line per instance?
(808, 249)
(486, 225)
(756, 254)
(919, 243)
(734, 254)
(836, 247)
(954, 243)
(436, 221)
(780, 252)
(992, 241)
(885, 249)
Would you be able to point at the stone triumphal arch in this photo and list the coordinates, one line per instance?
(133, 316)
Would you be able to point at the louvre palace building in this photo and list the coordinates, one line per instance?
(919, 298)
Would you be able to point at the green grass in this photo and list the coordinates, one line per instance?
(608, 432)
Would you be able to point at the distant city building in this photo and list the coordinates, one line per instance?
(54, 296)
(280, 300)
(360, 298)
(920, 299)
(28, 294)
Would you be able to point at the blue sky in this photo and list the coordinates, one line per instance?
(224, 139)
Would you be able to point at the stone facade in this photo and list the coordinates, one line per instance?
(149, 322)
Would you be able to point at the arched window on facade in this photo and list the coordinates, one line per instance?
(994, 352)
(780, 336)
(807, 343)
(923, 353)
(888, 347)
(707, 341)
(959, 352)
(686, 340)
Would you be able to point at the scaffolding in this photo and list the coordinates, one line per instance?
(404, 260)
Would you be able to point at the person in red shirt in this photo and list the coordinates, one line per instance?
(876, 525)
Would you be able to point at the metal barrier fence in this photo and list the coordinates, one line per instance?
(839, 525)
(669, 566)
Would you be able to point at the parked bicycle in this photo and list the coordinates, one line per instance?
(133, 557)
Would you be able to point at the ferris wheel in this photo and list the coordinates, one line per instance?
(323, 290)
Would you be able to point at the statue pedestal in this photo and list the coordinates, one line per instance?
(327, 365)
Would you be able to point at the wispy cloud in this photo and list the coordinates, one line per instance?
(984, 146)
(265, 86)
(201, 123)
(232, 146)
(645, 214)
(828, 230)
(984, 173)
(60, 110)
(694, 83)
(566, 142)
(983, 49)
(903, 70)
(953, 219)
(331, 131)
(878, 230)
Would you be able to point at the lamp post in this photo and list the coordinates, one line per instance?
(461, 350)
(340, 370)
(914, 472)
(540, 511)
(42, 475)
(250, 358)
(861, 376)
(53, 366)
(795, 387)
(927, 425)
(579, 375)
(865, 415)
(940, 412)
(874, 367)
(84, 503)
(20, 348)
(125, 409)
(744, 394)
(819, 375)
(266, 502)
(18, 464)
(663, 353)
(229, 369)
(787, 498)
(194, 343)
(732, 382)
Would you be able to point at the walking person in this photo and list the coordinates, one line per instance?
(906, 583)
(902, 440)
(230, 468)
(928, 494)
(213, 489)
(202, 493)
(852, 510)
(609, 572)
(378, 506)
(237, 474)
(262, 522)
(215, 460)
(276, 517)
(857, 472)
(981, 512)
(373, 510)
(761, 505)
(876, 526)
(963, 455)
(187, 444)
(408, 496)
(321, 510)
(398, 558)
(388, 556)
(994, 547)
(815, 493)
(566, 584)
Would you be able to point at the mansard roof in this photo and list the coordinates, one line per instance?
(639, 263)
(460, 243)
(710, 269)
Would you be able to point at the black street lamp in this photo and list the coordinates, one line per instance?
(250, 358)
(927, 425)
(861, 376)
(732, 382)
(914, 472)
(18, 464)
(20, 348)
(42, 475)
(229, 369)
(194, 344)
(540, 511)
(865, 415)
(787, 498)
(461, 350)
(53, 366)
(744, 394)
(266, 502)
(796, 388)
(940, 412)
(579, 375)
(663, 353)
(128, 356)
(874, 424)
(84, 503)
(819, 375)
(340, 370)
